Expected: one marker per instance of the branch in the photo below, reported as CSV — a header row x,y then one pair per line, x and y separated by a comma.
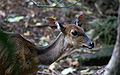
x,y
48,6
42,26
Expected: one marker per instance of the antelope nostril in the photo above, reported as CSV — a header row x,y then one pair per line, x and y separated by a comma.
x,y
91,44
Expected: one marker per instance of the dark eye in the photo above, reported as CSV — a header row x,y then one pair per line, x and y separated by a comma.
x,y
74,33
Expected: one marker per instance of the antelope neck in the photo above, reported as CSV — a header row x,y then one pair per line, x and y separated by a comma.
x,y
52,52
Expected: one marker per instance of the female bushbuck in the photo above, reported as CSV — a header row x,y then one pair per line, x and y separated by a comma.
x,y
28,56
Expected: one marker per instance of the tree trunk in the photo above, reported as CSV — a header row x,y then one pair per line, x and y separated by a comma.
x,y
113,67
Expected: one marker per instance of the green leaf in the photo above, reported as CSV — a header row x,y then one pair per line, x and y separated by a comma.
x,y
38,24
30,3
15,19
67,71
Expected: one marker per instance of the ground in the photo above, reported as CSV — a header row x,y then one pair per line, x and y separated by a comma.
x,y
23,17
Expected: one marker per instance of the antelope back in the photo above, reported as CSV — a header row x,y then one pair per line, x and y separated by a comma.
x,y
74,33
23,59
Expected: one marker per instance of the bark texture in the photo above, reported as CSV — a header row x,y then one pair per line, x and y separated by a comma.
x,y
113,66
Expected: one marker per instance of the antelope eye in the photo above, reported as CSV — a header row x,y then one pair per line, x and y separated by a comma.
x,y
74,33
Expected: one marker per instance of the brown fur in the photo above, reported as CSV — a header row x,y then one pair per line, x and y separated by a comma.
x,y
27,59
28,56
77,40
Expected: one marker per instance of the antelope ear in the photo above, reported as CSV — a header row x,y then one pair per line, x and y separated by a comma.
x,y
53,22
78,21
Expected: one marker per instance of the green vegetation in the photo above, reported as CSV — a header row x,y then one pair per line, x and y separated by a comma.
x,y
25,17
15,19
105,29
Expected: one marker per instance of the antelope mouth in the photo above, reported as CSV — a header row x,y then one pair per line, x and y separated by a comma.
x,y
89,47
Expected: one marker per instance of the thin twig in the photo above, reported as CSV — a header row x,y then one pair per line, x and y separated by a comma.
x,y
68,52
49,2
42,26
39,73
56,73
48,6
98,9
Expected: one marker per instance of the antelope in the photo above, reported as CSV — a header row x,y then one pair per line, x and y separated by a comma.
x,y
28,55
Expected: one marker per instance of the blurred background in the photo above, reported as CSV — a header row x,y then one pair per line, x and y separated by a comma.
x,y
99,22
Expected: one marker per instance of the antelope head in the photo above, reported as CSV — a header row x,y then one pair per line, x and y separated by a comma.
x,y
74,35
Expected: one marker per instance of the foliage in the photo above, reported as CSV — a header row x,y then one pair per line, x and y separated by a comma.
x,y
23,17
15,19
105,29
68,70
43,43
